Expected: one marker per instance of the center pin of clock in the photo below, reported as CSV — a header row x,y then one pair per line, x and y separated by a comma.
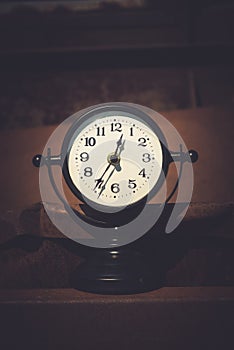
x,y
113,159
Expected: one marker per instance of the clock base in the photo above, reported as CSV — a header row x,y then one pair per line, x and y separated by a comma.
x,y
119,271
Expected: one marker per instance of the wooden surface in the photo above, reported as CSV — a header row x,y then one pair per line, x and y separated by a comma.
x,y
198,253
73,296
178,318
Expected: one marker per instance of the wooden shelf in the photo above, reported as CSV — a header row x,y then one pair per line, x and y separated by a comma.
x,y
178,318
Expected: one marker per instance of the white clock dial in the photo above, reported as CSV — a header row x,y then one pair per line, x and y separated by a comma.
x,y
115,160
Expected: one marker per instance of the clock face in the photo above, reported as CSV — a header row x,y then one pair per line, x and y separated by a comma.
x,y
114,159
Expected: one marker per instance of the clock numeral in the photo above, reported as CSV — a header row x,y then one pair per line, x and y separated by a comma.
x,y
146,158
100,131
84,157
116,127
142,173
115,188
90,141
88,171
131,131
132,184
99,183
142,142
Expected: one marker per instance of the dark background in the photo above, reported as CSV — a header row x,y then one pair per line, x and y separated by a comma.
x,y
176,57
59,58
173,56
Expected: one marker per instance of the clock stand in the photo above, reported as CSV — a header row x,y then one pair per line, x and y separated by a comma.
x,y
115,271
119,270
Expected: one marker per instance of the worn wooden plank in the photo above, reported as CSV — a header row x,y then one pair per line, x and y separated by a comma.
x,y
125,55
177,318
214,220
199,252
73,296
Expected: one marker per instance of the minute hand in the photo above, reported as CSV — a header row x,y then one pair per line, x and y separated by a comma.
x,y
99,181
104,186
116,167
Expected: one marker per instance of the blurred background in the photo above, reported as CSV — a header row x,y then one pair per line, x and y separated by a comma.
x,y
57,57
60,56
177,57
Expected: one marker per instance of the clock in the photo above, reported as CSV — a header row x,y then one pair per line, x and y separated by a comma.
x,y
114,158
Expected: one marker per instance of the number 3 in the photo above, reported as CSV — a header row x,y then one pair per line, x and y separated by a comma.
x,y
146,158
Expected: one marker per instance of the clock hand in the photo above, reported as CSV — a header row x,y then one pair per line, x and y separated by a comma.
x,y
117,166
104,186
100,180
119,142
121,148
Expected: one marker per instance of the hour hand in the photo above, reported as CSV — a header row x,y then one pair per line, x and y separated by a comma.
x,y
118,144
118,166
121,148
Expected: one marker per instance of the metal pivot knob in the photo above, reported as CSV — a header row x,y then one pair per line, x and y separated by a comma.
x,y
193,155
39,160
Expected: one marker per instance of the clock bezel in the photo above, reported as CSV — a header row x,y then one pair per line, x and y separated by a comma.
x,y
115,108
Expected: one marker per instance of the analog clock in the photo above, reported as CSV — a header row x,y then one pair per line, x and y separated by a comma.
x,y
114,157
